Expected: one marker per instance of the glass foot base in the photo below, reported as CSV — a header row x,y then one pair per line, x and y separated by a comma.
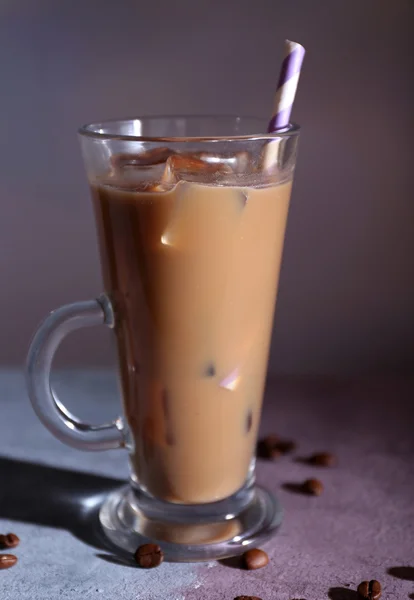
x,y
190,533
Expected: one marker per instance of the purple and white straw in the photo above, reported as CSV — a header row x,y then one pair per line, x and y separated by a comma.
x,y
286,88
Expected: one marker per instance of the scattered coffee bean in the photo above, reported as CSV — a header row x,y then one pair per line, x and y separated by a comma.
x,y
255,559
369,590
272,447
271,439
322,459
149,556
286,446
247,598
268,453
313,487
7,561
10,540
266,447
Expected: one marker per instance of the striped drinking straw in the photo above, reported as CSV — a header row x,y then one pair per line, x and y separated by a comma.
x,y
287,86
285,95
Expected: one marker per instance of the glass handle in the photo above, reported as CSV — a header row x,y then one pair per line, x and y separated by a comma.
x,y
48,408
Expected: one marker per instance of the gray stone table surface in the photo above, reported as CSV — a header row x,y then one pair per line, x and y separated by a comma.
x,y
362,527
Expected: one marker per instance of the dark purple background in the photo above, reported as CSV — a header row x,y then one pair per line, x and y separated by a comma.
x,y
346,298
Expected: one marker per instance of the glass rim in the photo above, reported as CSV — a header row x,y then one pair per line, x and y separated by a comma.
x,y
94,130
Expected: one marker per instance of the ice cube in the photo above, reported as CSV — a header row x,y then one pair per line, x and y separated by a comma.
x,y
160,187
171,234
114,180
141,159
209,370
231,380
139,171
193,168
238,162
148,186
244,196
226,160
196,211
244,162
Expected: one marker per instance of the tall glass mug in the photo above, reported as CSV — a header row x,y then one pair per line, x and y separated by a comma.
x,y
191,215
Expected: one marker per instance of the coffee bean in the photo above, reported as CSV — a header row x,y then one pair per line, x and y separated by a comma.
x,y
7,561
10,540
266,447
247,598
286,446
149,556
369,590
313,487
322,459
255,559
273,447
271,440
264,451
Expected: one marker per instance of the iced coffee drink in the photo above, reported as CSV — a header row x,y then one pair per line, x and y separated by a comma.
x,y
191,214
191,250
